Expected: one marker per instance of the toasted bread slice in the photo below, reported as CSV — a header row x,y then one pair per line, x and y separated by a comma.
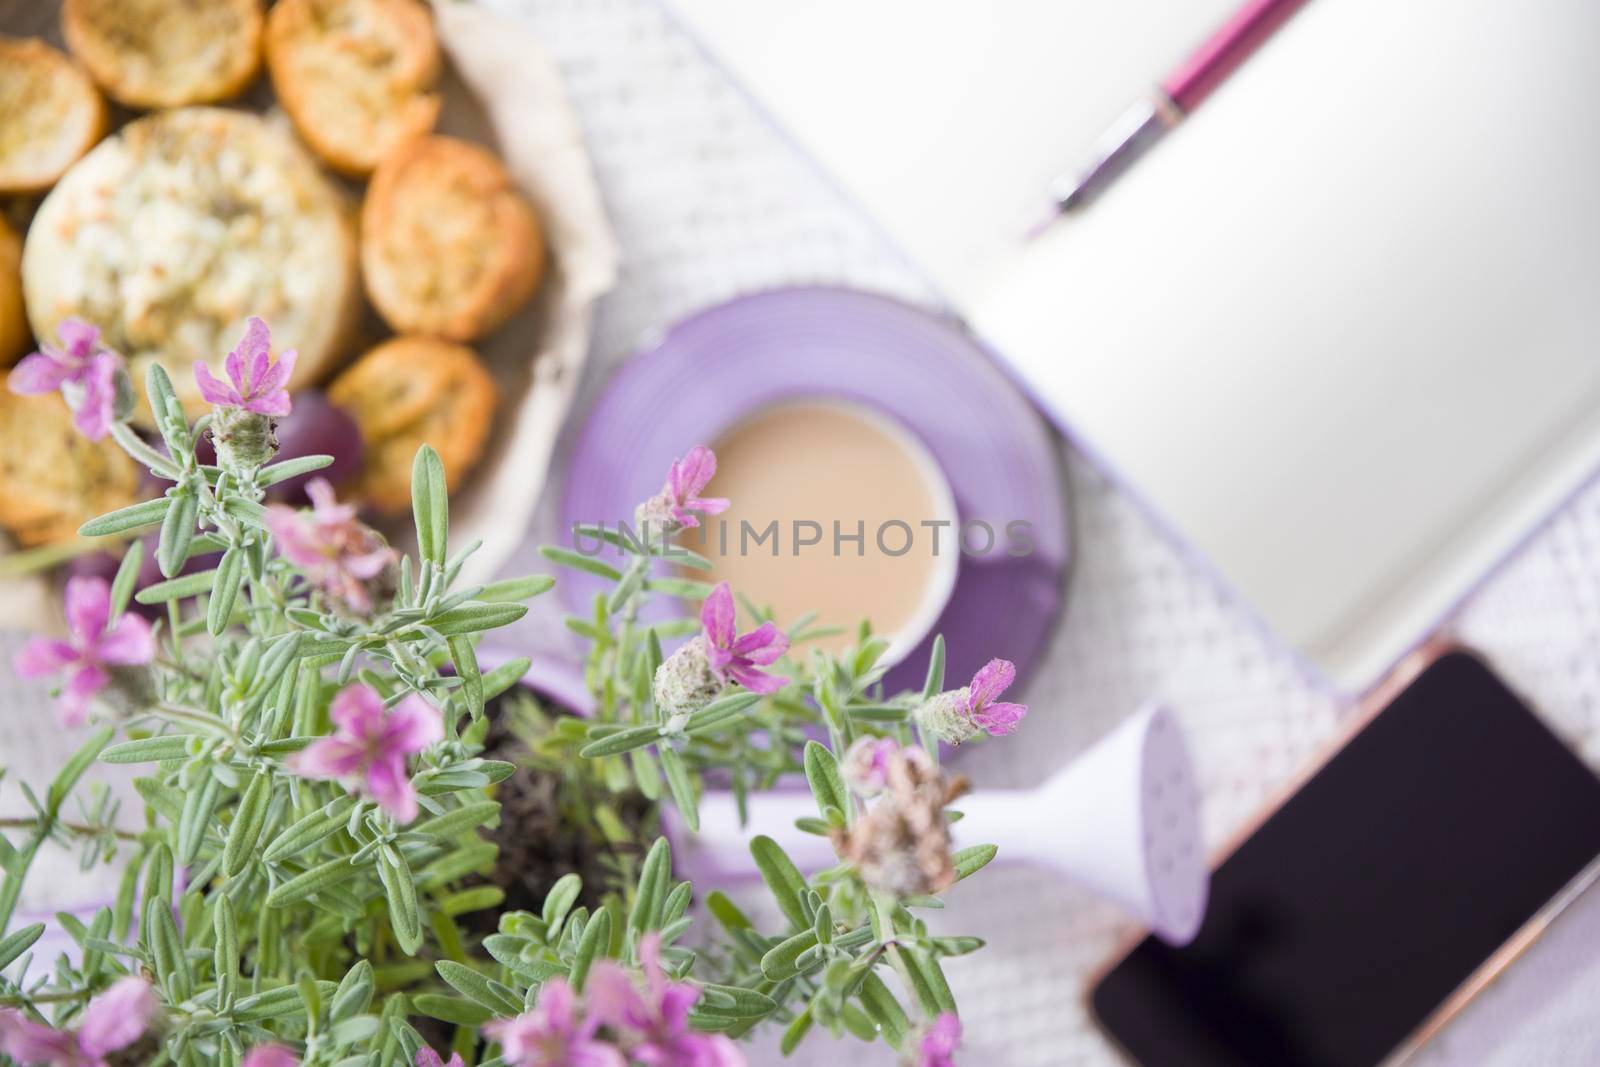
x,y
13,318
411,391
50,114
52,478
157,53
449,246
357,77
174,231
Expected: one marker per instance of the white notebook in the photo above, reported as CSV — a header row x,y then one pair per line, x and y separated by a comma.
x,y
1340,331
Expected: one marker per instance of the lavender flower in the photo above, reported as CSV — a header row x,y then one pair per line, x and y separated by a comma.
x,y
655,1023
694,674
901,846
258,383
735,657
369,747
341,555
936,1045
866,763
552,1034
958,714
112,1021
269,1056
90,377
679,505
94,652
426,1057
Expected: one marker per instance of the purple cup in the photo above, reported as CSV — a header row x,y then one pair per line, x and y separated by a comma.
x,y
921,371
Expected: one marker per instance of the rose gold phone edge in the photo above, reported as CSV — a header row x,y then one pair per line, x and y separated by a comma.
x,y
1366,710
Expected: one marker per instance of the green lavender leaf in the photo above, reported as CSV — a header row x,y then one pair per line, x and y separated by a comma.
x,y
677,902
524,588
458,820
430,505
249,818
127,576
734,1002
281,1003
161,466
970,861
164,405
401,889
225,953
934,684
310,882
166,949
132,517
596,936
780,962
727,912
884,1009
650,896
16,943
798,1027
474,617
177,588
290,468
466,663
720,712
578,562
199,803
681,785
224,590
478,898
504,677
558,902
177,530
456,1010
149,749
614,744
827,784
354,995
783,878
469,983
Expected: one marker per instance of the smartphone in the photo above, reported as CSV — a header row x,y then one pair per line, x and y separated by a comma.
x,y
1399,878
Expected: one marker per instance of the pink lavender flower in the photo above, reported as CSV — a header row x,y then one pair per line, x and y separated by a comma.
x,y
999,717
938,1043
96,647
426,1057
112,1021
957,715
679,504
552,1034
654,1024
866,763
83,369
339,553
734,656
258,382
269,1056
369,747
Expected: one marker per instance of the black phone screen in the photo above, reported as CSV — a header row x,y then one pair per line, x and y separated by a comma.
x,y
1355,910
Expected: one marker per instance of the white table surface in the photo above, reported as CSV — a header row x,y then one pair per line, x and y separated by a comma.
x,y
710,202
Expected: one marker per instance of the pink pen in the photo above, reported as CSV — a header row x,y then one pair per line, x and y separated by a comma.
x,y
1179,93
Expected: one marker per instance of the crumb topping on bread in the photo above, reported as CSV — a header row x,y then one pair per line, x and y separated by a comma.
x,y
169,235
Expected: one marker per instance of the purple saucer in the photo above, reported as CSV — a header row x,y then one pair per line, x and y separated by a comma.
x,y
923,371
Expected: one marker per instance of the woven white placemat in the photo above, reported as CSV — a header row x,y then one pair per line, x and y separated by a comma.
x,y
710,202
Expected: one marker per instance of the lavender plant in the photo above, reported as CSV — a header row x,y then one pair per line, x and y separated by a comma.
x,y
311,716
